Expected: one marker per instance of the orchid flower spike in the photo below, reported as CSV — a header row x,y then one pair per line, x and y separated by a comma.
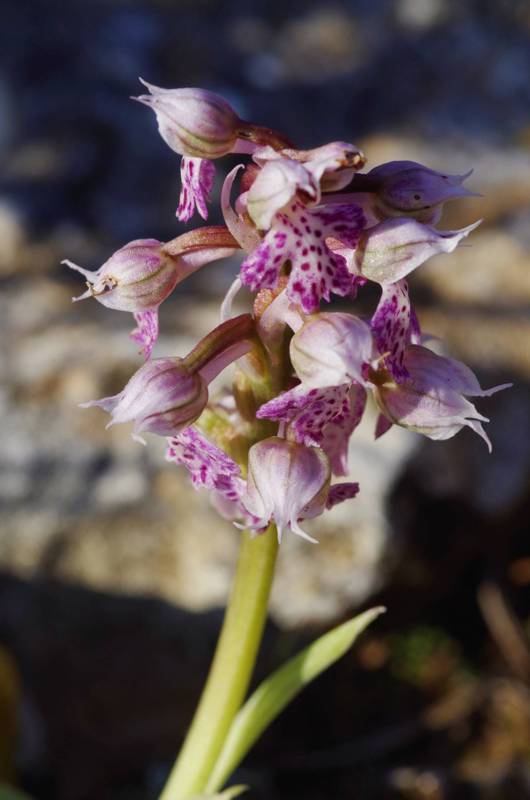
x,y
162,397
432,401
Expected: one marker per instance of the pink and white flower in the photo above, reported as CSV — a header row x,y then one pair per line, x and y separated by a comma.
x,y
330,354
324,417
162,397
199,125
432,399
391,250
406,188
300,236
193,122
142,274
288,482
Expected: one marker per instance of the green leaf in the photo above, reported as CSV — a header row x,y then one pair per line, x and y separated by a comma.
x,y
277,691
10,793
228,794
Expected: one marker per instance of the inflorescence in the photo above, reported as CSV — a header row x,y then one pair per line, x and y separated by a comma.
x,y
309,225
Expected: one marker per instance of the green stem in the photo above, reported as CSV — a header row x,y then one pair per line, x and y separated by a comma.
x,y
231,668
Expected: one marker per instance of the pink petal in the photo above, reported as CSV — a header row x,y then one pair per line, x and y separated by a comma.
x,y
391,327
244,233
286,481
340,492
197,177
381,426
430,371
146,333
330,349
323,418
209,466
336,434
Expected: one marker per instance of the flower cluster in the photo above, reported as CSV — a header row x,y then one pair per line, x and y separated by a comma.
x,y
309,225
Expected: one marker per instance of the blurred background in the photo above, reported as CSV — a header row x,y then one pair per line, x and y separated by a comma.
x,y
113,572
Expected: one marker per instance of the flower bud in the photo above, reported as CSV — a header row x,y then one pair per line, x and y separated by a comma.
x,y
330,349
387,252
136,277
193,122
276,184
406,188
162,397
286,482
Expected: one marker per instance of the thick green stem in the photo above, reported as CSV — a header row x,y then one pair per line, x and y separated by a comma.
x,y
231,668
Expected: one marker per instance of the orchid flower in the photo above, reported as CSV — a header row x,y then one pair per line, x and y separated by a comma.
x,y
406,188
432,400
391,250
403,189
167,394
141,275
282,201
286,482
162,397
330,354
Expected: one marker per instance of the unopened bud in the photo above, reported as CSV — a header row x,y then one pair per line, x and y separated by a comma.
x,y
136,277
162,397
406,188
193,122
330,349
286,482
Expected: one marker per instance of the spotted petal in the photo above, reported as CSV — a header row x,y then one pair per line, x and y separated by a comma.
x,y
146,333
209,466
197,177
323,417
392,328
341,492
299,235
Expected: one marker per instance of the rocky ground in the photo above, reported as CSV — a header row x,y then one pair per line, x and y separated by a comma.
x,y
113,569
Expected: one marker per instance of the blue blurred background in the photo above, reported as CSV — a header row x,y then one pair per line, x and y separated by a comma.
x,y
113,571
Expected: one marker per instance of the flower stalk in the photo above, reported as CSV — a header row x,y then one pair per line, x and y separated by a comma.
x,y
231,668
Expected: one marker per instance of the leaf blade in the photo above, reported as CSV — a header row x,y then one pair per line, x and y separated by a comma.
x,y
279,689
